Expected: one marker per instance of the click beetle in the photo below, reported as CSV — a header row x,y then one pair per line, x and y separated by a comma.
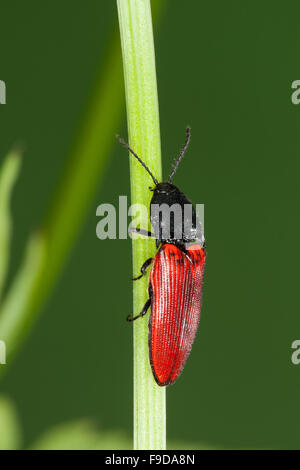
x,y
176,276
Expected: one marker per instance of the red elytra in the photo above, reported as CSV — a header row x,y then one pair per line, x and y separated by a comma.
x,y
175,291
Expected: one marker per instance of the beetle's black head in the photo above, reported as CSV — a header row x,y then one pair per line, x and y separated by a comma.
x,y
168,203
172,215
166,193
165,189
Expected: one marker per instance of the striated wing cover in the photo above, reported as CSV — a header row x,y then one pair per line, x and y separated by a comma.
x,y
176,289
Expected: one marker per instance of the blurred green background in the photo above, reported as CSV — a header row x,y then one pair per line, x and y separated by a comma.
x,y
226,69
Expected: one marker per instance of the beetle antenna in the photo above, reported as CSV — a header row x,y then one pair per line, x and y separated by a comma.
x,y
138,158
181,155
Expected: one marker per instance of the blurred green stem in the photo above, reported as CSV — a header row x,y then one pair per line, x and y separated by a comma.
x,y
8,175
48,248
144,137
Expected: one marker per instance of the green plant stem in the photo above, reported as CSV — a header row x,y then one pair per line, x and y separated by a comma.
x,y
8,175
144,137
48,249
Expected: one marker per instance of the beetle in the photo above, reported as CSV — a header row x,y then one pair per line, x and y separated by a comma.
x,y
176,276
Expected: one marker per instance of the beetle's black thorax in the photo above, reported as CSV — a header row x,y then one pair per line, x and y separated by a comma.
x,y
173,216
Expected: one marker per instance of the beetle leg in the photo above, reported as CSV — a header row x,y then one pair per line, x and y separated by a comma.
x,y
143,269
143,312
141,231
158,241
